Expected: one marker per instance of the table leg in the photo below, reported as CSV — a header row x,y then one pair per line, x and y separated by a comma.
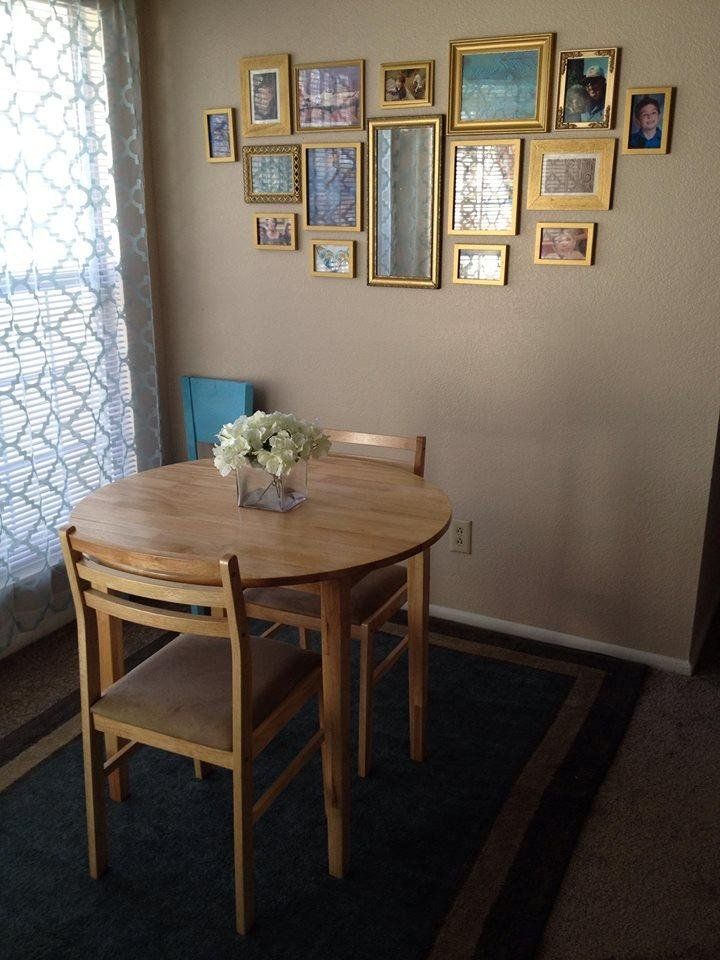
x,y
418,602
112,667
335,612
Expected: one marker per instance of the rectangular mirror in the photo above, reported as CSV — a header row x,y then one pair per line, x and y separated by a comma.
x,y
404,181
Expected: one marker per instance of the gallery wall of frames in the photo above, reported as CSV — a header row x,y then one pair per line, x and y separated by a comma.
x,y
392,184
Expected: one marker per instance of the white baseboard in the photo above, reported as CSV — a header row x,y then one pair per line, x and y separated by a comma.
x,y
656,660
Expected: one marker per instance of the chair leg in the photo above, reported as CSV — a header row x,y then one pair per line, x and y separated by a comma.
x,y
365,717
93,753
243,843
202,769
324,753
303,634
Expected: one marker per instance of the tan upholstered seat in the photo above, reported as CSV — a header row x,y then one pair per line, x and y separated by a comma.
x,y
184,690
366,596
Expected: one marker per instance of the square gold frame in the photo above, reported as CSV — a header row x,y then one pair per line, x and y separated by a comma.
x,y
501,247
600,200
667,93
538,122
512,229
279,62
556,225
337,145
611,53
349,274
278,215
327,65
409,66
213,111
271,149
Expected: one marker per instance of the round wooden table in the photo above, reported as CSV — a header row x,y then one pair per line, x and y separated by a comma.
x,y
361,514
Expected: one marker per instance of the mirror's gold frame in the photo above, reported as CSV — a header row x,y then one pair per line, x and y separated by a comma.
x,y
437,123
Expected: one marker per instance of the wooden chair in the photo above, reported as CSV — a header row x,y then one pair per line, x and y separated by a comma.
x,y
208,404
374,598
213,693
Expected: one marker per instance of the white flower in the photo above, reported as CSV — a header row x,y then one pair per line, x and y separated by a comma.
x,y
274,442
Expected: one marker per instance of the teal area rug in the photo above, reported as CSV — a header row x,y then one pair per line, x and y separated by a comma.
x,y
457,858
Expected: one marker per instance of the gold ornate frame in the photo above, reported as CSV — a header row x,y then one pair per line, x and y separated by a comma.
x,y
603,149
512,229
278,215
284,149
347,275
409,66
538,123
566,225
564,56
227,111
501,247
279,62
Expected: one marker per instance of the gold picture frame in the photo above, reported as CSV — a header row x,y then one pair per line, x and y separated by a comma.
x,y
271,173
407,84
275,231
500,84
480,263
656,100
332,258
265,96
219,135
568,244
330,96
586,89
484,180
332,174
571,174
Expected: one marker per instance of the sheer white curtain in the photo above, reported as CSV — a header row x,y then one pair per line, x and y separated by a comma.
x,y
78,388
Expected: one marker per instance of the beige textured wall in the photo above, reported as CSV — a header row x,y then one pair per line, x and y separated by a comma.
x,y
572,414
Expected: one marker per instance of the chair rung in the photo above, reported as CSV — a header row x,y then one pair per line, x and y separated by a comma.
x,y
114,761
290,771
272,630
390,660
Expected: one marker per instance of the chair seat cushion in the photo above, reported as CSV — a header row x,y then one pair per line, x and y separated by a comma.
x,y
184,690
366,596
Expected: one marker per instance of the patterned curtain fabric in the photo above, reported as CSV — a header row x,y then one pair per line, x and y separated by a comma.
x,y
78,387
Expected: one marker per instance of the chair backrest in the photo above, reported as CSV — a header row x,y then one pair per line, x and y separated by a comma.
x,y
412,446
208,404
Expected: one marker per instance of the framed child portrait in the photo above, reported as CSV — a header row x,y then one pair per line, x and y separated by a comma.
x,y
586,89
329,96
407,84
275,231
647,120
564,244
219,135
332,186
332,258
265,95
480,263
570,174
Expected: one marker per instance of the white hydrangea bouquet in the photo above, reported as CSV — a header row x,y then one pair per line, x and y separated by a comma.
x,y
274,443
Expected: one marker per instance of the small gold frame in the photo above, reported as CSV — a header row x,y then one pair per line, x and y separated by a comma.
x,y
252,195
500,248
326,104
558,260
562,117
252,71
603,151
349,245
533,121
289,234
409,68
512,228
310,191
228,113
665,118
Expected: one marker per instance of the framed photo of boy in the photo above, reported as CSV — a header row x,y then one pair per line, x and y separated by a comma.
x,y
407,84
332,258
570,174
332,186
329,96
586,89
275,231
219,135
484,186
271,173
265,95
647,120
564,244
480,264
500,84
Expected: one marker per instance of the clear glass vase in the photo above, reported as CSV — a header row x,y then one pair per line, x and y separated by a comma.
x,y
256,488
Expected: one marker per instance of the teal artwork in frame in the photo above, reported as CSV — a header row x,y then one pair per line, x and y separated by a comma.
x,y
272,173
499,86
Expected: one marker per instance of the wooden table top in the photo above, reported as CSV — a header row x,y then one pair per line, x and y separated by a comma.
x,y
360,514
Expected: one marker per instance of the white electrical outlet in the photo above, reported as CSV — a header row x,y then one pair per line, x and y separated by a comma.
x,y
461,536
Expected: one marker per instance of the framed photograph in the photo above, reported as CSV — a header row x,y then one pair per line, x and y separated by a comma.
x,y
275,231
647,120
329,96
219,135
568,244
272,173
332,258
407,84
500,84
265,95
480,263
332,186
570,174
484,186
586,89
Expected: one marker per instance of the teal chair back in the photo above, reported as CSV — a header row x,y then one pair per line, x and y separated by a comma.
x,y
208,404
